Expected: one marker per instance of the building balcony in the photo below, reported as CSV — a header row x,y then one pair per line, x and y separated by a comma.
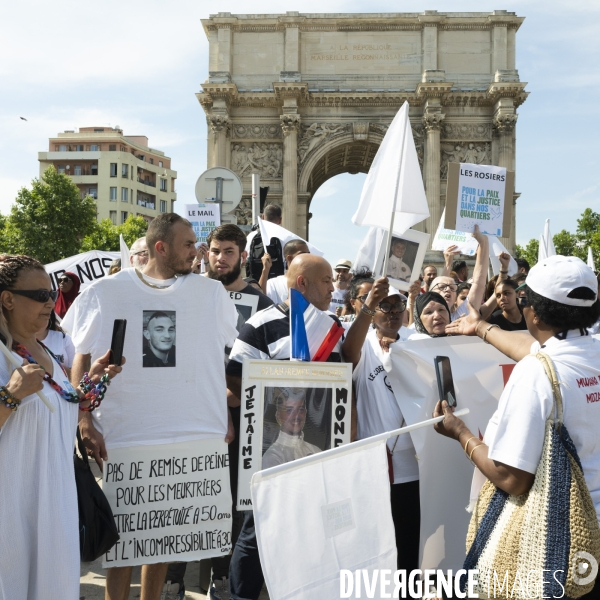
x,y
151,204
69,156
146,182
83,179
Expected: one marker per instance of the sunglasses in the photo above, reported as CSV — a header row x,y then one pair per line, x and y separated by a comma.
x,y
140,253
64,280
38,295
387,307
522,301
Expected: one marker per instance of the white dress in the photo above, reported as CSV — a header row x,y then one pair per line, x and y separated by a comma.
x,y
39,522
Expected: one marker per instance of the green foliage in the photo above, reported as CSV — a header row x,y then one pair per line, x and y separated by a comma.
x,y
529,252
106,235
49,220
565,243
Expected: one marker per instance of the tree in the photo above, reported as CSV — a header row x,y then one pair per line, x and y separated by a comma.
x,y
106,235
50,220
529,252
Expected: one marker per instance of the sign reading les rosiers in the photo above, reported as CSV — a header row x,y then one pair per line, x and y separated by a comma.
x,y
479,195
171,502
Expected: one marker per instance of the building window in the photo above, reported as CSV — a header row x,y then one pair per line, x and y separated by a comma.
x,y
93,169
123,149
131,197
124,170
112,147
124,195
113,216
77,169
123,216
172,205
113,194
78,147
93,192
163,186
160,163
62,148
163,206
113,169
151,161
98,130
94,147
61,168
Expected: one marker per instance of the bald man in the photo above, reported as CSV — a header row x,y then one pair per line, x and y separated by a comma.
x,y
266,335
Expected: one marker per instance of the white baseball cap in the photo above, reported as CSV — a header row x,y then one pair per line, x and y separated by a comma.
x,y
557,276
394,292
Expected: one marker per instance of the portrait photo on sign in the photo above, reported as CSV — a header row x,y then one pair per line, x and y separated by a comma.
x,y
158,341
296,423
405,257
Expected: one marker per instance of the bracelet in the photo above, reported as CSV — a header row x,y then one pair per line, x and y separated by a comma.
x,y
93,392
473,437
368,311
8,399
482,444
484,338
505,272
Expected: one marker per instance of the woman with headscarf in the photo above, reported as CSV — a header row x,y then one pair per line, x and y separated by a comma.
x,y
68,290
431,316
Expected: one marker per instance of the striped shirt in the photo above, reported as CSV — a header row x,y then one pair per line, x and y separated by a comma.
x,y
266,335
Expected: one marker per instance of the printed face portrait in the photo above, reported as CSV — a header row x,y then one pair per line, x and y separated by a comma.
x,y
159,339
398,248
291,411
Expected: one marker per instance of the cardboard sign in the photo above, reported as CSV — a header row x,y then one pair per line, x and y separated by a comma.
x,y
204,218
479,195
290,410
171,502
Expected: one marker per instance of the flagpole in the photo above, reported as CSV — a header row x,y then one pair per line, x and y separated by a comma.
x,y
386,257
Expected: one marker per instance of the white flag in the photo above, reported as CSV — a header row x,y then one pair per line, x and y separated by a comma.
x,y
270,230
546,248
496,248
394,182
318,515
125,263
445,475
590,260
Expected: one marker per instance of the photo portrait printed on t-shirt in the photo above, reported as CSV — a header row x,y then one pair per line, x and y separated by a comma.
x,y
158,342
402,259
296,423
244,313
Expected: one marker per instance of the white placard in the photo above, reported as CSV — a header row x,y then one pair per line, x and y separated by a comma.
x,y
204,218
481,190
171,502
290,410
246,305
444,238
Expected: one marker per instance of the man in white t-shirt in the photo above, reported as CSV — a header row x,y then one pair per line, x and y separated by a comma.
x,y
277,288
341,282
148,405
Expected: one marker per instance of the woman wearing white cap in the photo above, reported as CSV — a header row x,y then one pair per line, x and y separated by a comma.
x,y
377,303
561,302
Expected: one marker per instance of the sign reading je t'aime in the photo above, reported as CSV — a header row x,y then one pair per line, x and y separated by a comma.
x,y
171,502
479,195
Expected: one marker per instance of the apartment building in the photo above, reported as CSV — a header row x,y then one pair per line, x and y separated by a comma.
x,y
123,174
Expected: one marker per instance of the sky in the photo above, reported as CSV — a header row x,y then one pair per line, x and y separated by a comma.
x,y
138,64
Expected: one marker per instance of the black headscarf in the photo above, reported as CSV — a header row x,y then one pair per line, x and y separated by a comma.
x,y
422,301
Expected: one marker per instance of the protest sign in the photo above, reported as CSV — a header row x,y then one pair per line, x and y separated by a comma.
x,y
204,217
480,373
290,410
245,304
88,266
171,502
479,195
464,241
406,255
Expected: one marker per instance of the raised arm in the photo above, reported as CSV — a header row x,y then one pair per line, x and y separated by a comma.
x,y
480,272
264,276
449,253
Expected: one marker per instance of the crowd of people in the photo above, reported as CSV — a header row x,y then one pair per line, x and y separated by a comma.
x,y
62,337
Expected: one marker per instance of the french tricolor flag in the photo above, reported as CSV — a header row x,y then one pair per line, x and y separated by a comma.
x,y
314,333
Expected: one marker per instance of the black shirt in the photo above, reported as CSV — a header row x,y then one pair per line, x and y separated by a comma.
x,y
499,319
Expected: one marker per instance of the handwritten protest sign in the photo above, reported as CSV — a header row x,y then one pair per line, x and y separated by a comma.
x,y
479,195
88,266
465,242
204,217
171,502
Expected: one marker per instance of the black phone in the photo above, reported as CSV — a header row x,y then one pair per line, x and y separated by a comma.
x,y
443,373
118,341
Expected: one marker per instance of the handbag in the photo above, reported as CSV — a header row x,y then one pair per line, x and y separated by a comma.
x,y
553,527
97,528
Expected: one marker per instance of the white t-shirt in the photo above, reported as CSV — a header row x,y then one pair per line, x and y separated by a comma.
x,y
61,345
287,448
515,433
338,298
398,269
378,410
186,399
277,289
461,311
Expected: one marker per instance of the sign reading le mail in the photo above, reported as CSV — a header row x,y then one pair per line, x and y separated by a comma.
x,y
290,410
171,502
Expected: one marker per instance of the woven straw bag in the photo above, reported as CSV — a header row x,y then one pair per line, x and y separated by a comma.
x,y
545,529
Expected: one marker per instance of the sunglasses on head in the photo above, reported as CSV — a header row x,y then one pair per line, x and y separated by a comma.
x,y
38,295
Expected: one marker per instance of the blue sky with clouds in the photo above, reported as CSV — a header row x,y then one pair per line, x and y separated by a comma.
x,y
138,64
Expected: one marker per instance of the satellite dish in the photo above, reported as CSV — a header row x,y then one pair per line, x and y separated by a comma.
x,y
221,184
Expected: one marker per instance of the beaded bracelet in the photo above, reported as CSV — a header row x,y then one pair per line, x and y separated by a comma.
x,y
93,392
8,399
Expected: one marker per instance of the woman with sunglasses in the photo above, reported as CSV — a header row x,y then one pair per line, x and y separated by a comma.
x,y
510,316
68,290
39,528
379,315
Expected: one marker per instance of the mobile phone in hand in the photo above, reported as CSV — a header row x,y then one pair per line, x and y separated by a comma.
x,y
118,341
443,373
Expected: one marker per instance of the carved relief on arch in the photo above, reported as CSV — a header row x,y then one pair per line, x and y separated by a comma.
x,y
257,157
312,136
475,152
258,132
467,131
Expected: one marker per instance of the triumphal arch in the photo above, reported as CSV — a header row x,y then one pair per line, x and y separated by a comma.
x,y
300,98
